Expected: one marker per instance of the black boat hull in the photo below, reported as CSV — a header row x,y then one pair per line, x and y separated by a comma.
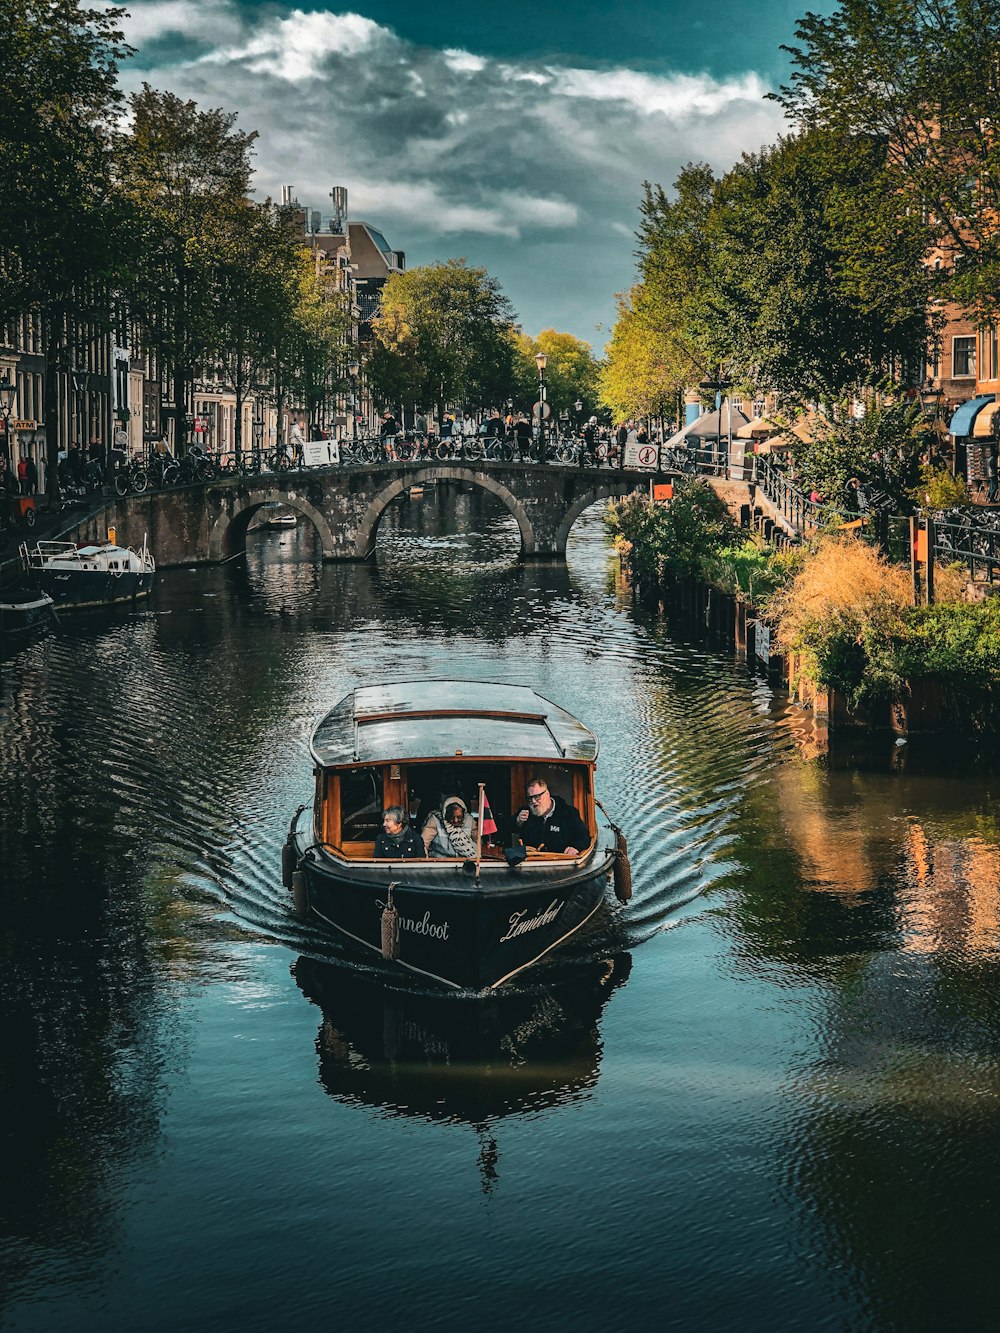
x,y
451,929
81,588
24,611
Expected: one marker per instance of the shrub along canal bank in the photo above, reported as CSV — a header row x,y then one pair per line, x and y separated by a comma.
x,y
833,618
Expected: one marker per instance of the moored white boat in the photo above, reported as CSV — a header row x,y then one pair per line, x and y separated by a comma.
x,y
93,575
468,921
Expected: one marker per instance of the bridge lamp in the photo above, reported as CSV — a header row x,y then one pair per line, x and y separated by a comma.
x,y
540,361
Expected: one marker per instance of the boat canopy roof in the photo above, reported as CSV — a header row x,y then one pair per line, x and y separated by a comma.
x,y
445,719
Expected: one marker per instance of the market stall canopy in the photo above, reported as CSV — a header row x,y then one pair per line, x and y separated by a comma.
x,y
758,428
678,440
962,422
808,426
986,422
717,425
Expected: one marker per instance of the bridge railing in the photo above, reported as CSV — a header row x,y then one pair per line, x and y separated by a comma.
x,y
156,473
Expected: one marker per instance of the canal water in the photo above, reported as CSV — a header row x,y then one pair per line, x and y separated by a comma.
x,y
763,1095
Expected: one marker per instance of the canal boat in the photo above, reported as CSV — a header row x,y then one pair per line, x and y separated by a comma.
x,y
94,575
273,517
24,610
469,921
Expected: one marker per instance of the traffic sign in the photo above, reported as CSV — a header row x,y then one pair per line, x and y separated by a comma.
x,y
541,411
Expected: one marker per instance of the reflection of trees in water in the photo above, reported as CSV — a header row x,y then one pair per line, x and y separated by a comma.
x,y
880,896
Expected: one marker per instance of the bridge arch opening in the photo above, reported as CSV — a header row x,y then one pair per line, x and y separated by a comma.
x,y
426,477
229,533
598,495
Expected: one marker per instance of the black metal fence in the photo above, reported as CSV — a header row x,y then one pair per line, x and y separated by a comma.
x,y
959,537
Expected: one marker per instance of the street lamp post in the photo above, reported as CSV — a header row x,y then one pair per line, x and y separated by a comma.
x,y
578,410
8,392
353,370
540,361
721,385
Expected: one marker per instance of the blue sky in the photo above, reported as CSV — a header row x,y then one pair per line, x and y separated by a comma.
x,y
517,136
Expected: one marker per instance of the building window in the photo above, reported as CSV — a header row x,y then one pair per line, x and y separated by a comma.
x,y
963,358
994,358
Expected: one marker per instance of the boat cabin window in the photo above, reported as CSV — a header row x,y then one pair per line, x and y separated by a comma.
x,y
360,804
355,798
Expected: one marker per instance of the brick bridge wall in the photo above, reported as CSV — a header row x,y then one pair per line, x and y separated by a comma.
x,y
192,525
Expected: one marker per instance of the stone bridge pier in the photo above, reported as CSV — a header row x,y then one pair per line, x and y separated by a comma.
x,y
208,524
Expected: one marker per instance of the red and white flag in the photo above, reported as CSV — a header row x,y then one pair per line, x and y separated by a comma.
x,y
487,822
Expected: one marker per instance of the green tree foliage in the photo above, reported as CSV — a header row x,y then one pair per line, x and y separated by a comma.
x,y
677,266
58,93
444,336
675,537
643,372
61,240
818,269
312,348
570,372
882,449
254,288
186,174
920,81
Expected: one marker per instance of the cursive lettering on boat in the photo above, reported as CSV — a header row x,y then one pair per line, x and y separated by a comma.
x,y
521,923
435,930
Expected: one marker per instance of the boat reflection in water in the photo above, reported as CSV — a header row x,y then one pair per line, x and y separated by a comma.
x,y
460,1059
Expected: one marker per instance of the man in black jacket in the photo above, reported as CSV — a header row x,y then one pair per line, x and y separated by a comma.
x,y
551,824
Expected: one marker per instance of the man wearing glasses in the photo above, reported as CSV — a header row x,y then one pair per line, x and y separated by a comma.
x,y
551,824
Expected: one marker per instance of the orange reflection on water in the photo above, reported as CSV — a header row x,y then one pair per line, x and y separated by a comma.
x,y
950,899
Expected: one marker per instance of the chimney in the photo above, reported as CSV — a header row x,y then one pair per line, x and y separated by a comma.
x,y
287,196
338,219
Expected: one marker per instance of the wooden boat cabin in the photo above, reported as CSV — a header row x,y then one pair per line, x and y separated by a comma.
x,y
417,743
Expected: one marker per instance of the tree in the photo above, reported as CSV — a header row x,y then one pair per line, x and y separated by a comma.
x,y
443,336
921,81
254,288
819,269
312,347
881,448
643,372
571,371
185,172
60,228
677,266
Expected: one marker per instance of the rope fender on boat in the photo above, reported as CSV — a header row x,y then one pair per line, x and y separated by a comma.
x,y
622,868
289,859
390,926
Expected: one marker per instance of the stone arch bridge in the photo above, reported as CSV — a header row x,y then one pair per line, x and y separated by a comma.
x,y
208,523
